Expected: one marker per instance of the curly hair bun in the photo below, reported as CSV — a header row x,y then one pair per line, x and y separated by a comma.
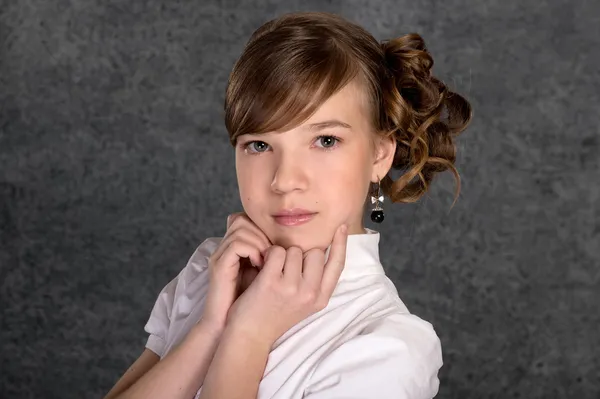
x,y
424,115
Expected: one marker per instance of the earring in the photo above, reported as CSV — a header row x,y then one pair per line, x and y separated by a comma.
x,y
377,212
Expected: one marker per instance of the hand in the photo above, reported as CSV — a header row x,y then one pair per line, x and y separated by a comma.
x,y
233,266
290,287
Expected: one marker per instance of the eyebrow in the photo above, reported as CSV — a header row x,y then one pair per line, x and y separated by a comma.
x,y
328,124
317,126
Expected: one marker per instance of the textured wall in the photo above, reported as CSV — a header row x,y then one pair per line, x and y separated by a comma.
x,y
112,170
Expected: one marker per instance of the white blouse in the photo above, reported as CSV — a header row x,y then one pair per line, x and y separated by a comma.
x,y
364,344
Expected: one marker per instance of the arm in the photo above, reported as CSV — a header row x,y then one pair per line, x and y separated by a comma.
x,y
197,348
145,362
179,375
240,356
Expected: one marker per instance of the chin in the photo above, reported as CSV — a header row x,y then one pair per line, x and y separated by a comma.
x,y
304,243
313,234
305,239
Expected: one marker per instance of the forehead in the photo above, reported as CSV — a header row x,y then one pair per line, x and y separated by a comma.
x,y
348,105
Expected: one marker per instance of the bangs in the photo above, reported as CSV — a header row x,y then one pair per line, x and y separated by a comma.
x,y
280,83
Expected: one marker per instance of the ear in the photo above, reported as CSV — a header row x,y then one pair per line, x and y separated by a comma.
x,y
385,149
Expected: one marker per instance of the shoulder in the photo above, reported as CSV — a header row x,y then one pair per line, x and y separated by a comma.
x,y
180,296
414,341
198,262
200,256
189,278
397,356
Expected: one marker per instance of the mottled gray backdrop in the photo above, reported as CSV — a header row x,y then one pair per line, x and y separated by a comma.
x,y
115,165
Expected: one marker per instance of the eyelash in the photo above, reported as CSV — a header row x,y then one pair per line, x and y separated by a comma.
x,y
246,146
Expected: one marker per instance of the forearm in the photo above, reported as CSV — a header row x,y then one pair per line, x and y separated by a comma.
x,y
181,373
237,368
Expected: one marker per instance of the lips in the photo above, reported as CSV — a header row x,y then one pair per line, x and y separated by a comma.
x,y
293,217
293,212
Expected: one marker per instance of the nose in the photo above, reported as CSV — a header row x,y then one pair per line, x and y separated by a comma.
x,y
290,174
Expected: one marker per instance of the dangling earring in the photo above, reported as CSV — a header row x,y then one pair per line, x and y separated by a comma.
x,y
377,212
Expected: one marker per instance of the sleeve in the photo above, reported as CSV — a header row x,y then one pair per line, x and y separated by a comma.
x,y
160,318
399,361
161,315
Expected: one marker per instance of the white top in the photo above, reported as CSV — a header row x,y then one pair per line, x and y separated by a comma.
x,y
364,344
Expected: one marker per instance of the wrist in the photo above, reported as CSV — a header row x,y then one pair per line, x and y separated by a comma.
x,y
254,337
204,327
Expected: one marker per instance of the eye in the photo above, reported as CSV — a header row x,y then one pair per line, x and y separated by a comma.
x,y
255,146
328,141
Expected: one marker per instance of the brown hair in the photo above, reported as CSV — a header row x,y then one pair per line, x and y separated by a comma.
x,y
291,65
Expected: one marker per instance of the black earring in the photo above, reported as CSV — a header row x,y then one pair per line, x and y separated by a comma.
x,y
377,212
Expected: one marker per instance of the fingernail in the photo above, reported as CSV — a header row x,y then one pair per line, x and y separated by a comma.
x,y
344,229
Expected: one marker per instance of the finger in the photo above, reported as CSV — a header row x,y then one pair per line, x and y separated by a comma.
x,y
234,251
292,268
241,220
226,237
274,261
335,263
225,242
312,271
249,236
248,223
231,218
240,230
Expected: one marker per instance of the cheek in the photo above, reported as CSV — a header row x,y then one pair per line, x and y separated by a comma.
x,y
252,187
346,192
247,178
244,182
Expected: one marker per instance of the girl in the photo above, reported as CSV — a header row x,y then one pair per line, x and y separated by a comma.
x,y
293,301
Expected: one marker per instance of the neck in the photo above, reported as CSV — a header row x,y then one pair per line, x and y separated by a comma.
x,y
356,227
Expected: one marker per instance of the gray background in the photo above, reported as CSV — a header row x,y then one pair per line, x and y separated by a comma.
x,y
115,165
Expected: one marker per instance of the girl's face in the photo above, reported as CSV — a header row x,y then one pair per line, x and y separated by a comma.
x,y
323,166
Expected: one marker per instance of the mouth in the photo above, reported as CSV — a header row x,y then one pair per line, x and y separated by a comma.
x,y
294,217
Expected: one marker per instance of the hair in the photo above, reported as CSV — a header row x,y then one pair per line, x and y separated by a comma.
x,y
291,65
